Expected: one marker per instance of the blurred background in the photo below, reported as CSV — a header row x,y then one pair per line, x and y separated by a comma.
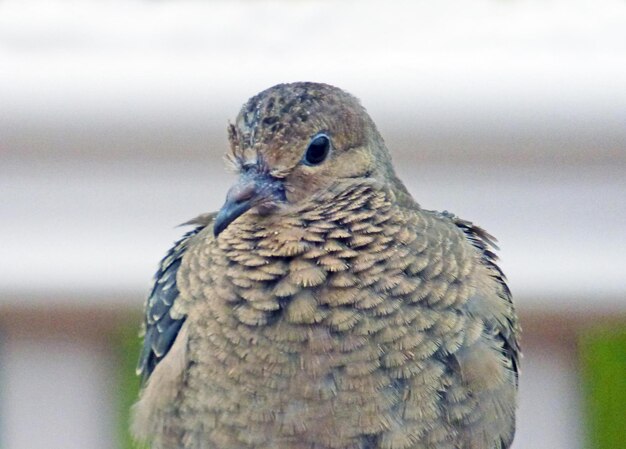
x,y
511,114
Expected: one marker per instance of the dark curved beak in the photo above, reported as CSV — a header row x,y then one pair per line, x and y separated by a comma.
x,y
252,189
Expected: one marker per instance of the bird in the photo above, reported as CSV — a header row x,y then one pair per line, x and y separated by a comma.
x,y
322,307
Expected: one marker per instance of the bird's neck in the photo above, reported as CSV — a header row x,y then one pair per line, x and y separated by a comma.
x,y
284,258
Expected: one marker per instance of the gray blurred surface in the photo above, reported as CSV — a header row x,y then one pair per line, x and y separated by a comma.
x,y
72,227
56,393
524,80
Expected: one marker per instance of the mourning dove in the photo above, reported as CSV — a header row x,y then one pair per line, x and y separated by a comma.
x,y
322,307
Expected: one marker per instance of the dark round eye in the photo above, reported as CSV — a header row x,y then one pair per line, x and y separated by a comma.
x,y
317,150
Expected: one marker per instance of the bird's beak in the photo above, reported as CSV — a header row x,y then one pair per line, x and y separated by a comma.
x,y
253,189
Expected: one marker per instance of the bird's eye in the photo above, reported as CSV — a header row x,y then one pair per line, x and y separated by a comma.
x,y
317,150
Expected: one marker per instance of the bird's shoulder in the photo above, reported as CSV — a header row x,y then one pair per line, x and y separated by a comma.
x,y
493,301
486,365
162,318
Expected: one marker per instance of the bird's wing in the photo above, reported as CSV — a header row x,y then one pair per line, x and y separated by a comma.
x,y
489,367
161,326
504,326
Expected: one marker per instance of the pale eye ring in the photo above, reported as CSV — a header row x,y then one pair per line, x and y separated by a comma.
x,y
318,150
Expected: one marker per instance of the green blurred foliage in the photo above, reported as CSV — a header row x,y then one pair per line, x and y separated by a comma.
x,y
128,344
603,358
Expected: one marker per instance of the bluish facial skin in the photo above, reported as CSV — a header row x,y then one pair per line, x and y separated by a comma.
x,y
254,188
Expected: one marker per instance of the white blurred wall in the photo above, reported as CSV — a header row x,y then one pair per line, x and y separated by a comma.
x,y
112,124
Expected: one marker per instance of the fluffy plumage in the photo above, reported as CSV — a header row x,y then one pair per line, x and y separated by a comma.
x,y
322,307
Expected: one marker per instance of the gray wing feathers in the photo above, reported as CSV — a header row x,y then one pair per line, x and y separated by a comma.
x,y
160,327
506,327
498,349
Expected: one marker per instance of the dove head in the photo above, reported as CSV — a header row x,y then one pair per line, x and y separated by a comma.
x,y
293,141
